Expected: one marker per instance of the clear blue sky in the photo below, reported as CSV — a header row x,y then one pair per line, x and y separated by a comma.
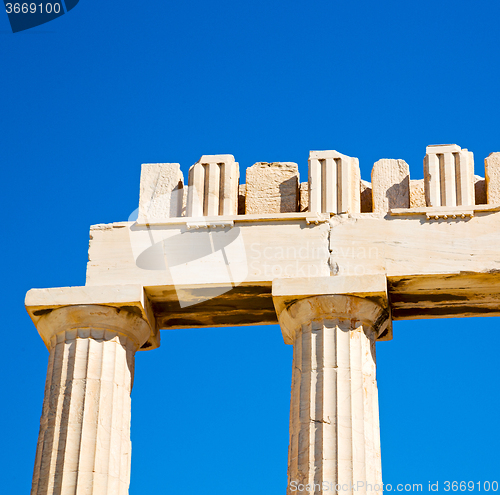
x,y
88,97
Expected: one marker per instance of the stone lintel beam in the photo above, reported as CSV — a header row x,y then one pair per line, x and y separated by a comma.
x,y
416,254
287,292
131,298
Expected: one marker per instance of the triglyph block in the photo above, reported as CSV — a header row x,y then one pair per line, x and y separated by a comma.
x,y
334,183
213,186
448,176
272,188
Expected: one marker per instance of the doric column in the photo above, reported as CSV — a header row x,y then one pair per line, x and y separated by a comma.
x,y
84,441
334,422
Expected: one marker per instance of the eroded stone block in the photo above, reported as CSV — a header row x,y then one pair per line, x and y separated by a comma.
x,y
492,175
304,196
366,196
272,188
391,185
242,192
417,193
161,192
480,190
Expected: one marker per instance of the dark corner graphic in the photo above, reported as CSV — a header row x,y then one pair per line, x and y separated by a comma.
x,y
25,15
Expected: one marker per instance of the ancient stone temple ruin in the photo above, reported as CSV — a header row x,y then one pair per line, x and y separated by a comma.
x,y
334,260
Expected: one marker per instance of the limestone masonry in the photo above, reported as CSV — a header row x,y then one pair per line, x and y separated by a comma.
x,y
334,260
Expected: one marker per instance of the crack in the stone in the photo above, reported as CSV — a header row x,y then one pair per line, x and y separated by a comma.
x,y
332,264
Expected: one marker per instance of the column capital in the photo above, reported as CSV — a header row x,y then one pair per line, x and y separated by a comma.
x,y
93,310
363,300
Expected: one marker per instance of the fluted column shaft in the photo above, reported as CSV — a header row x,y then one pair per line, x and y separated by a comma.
x,y
84,441
334,422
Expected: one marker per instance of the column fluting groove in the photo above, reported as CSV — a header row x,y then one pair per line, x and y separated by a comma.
x,y
334,423
84,441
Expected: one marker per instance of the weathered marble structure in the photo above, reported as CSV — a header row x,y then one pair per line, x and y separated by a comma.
x,y
333,260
